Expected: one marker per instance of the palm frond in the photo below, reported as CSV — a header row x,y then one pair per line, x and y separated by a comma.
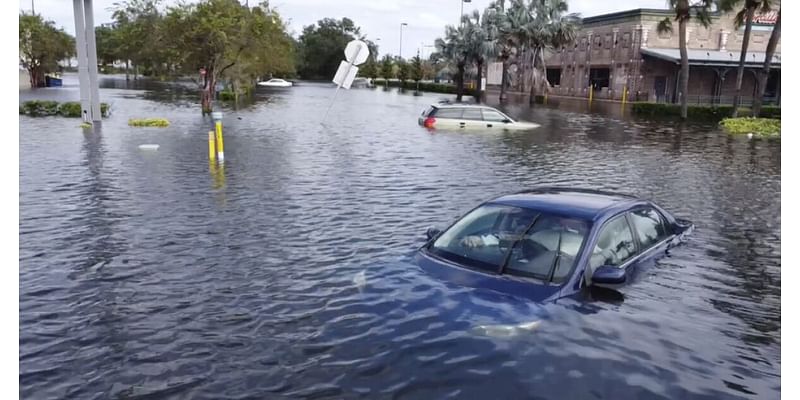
x,y
664,26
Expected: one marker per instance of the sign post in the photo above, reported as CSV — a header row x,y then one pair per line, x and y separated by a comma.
x,y
355,53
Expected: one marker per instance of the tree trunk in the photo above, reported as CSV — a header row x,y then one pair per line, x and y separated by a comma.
x,y
478,93
763,76
737,99
684,88
36,76
532,98
127,65
460,83
207,93
504,81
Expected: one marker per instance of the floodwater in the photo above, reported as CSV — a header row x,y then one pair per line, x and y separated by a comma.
x,y
285,273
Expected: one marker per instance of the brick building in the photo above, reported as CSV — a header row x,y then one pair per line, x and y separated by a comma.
x,y
624,49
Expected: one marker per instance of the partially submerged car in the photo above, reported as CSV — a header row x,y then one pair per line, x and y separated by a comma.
x,y
469,116
550,242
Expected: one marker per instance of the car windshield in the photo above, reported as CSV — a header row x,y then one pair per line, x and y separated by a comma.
x,y
514,240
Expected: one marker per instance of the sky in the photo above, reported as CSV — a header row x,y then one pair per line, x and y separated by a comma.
x,y
378,19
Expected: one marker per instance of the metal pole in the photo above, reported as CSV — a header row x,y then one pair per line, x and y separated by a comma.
x,y
33,10
91,47
83,68
461,16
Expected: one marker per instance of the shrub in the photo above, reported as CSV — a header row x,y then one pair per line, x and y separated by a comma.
x,y
157,122
423,86
39,108
714,113
762,127
71,109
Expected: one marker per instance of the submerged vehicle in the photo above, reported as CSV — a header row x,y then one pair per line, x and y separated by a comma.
x,y
275,82
549,242
469,116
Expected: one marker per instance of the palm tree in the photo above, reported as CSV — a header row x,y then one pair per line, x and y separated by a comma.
x,y
508,27
549,27
684,11
743,17
453,50
481,42
764,74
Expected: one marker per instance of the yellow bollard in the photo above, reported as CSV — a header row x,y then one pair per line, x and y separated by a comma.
x,y
545,97
624,94
212,152
591,93
220,146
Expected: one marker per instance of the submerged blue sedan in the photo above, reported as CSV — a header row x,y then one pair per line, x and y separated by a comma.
x,y
548,243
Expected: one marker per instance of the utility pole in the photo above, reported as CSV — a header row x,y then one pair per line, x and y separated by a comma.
x,y
402,24
87,60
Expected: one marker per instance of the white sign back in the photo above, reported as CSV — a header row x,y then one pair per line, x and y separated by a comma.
x,y
356,52
345,75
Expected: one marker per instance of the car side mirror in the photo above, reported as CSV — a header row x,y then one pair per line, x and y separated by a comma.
x,y
506,121
609,274
432,232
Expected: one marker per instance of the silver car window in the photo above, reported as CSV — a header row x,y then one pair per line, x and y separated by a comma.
x,y
453,113
493,116
473,114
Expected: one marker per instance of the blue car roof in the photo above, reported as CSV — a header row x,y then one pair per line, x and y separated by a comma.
x,y
587,204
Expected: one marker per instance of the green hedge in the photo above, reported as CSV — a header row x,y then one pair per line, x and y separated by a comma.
x,y
699,112
423,86
44,108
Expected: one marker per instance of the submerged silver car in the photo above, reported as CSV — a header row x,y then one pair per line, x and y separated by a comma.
x,y
467,116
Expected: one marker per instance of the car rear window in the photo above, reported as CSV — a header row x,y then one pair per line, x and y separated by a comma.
x,y
429,111
454,113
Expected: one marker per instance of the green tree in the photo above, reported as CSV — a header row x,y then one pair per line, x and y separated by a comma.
x,y
764,73
549,27
417,70
403,72
139,36
453,50
743,17
510,27
685,10
107,46
42,46
481,41
322,47
387,69
369,69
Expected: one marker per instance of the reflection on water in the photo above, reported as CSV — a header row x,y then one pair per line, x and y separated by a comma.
x,y
285,272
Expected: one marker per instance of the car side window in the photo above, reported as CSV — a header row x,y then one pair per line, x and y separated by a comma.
x,y
614,245
473,114
493,116
649,225
454,113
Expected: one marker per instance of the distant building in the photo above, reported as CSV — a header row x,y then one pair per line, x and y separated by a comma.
x,y
624,49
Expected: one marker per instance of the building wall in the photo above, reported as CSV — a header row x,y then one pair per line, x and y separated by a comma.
x,y
614,41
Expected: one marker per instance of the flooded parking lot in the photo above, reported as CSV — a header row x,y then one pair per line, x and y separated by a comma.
x,y
285,272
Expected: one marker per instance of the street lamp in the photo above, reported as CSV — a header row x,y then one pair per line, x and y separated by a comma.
x,y
460,19
402,24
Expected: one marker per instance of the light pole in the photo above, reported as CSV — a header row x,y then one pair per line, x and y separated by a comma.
x,y
402,24
460,19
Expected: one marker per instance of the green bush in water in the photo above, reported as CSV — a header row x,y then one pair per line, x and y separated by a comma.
x,y
39,108
761,127
42,108
157,122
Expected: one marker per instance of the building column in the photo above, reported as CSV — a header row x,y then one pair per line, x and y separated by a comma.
x,y
723,39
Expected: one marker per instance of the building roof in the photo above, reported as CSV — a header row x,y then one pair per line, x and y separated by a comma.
x,y
637,12
581,203
713,58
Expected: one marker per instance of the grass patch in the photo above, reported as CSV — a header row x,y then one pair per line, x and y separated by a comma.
x,y
761,127
45,108
157,122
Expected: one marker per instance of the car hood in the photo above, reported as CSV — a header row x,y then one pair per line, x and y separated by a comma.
x,y
503,284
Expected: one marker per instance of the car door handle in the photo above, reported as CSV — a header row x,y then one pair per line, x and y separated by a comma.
x,y
488,125
461,124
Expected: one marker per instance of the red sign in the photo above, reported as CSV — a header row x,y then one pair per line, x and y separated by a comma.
x,y
767,18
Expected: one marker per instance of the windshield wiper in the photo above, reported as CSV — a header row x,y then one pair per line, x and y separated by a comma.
x,y
507,257
557,258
